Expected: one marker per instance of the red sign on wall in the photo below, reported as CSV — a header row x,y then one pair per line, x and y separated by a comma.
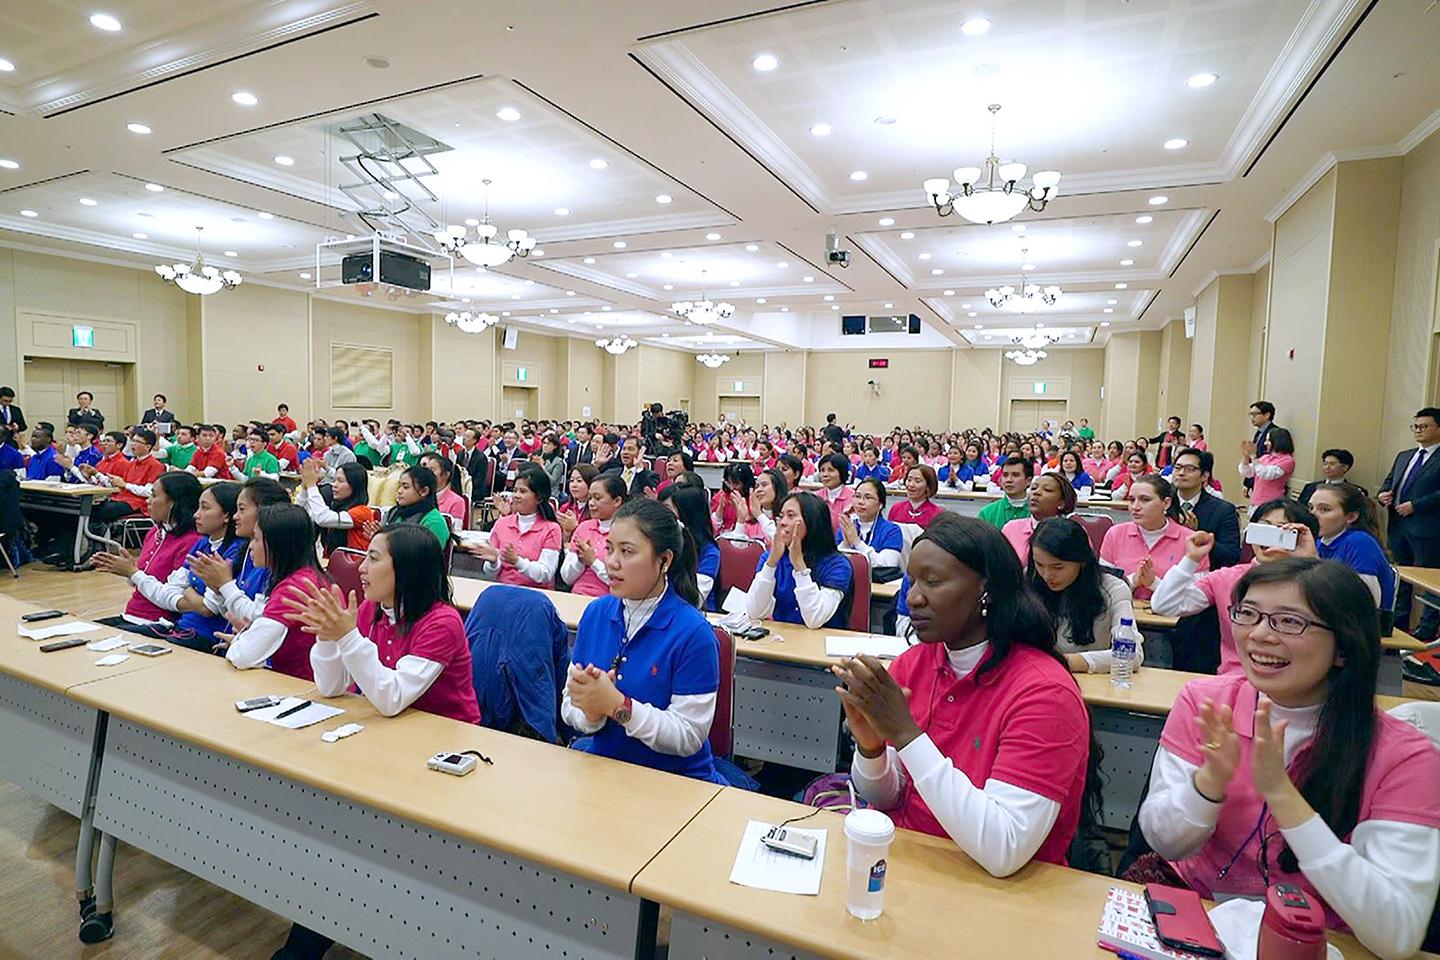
x,y
879,363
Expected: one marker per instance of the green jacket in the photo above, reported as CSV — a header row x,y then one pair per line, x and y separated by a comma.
x,y
178,456
1000,512
262,462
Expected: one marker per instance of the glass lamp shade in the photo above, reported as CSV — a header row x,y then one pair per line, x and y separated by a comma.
x,y
713,360
199,284
486,254
937,187
990,206
966,175
1010,172
1047,179
486,231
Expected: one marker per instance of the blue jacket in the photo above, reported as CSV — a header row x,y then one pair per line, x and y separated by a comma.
x,y
1362,553
519,653
42,466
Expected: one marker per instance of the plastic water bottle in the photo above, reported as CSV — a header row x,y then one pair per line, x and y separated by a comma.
x,y
1124,640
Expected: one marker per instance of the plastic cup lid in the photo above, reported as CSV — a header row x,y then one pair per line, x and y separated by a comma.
x,y
869,826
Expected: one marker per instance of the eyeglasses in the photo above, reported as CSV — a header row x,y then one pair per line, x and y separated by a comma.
x,y
1185,468
1288,624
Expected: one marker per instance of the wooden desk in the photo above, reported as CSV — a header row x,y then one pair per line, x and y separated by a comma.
x,y
886,591
1426,578
70,499
529,857
937,900
570,606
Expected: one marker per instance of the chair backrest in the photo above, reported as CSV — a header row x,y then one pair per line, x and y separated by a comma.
x,y
489,476
860,587
1422,715
722,734
344,569
909,533
1095,526
738,561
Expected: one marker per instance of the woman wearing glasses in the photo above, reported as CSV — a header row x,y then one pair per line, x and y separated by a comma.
x,y
1287,773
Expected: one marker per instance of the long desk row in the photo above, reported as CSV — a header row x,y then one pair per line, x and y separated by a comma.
x,y
545,852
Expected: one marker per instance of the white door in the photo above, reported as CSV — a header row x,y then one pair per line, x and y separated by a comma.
x,y
736,409
517,403
51,386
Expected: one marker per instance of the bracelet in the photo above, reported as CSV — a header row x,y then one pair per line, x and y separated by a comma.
x,y
1203,796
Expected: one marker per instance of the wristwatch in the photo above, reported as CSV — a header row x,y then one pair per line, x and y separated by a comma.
x,y
623,712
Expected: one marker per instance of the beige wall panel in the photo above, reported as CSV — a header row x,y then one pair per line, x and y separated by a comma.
x,y
462,373
784,388
253,326
535,353
1072,375
336,322
666,375
1175,349
746,368
1259,326
975,388
914,389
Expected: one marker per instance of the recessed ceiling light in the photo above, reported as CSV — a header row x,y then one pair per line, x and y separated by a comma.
x,y
631,276
949,293
137,128
760,300
141,236
784,309
562,211
514,296
1017,227
154,188
231,253
599,163
1112,301
858,175
508,114
1176,143
964,306
28,213
569,293
605,307
835,306
9,164
907,235
304,276
537,252
765,63
1104,323
663,198
936,272
5,65
1127,263
1202,80
973,314
712,236
669,286
887,221
808,279
471,222
1145,218
1134,243
506,313
619,244
245,98
975,26
1156,201
829,297
782,265
285,161
924,256
884,121
105,22
1122,286
820,130
86,202
1028,266
529,283
666,254
1109,310
981,326
734,283
589,259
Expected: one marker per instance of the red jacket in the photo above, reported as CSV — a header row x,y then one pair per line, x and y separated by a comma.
x,y
214,457
142,472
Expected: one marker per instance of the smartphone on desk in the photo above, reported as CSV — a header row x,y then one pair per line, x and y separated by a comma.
x,y
148,649
41,615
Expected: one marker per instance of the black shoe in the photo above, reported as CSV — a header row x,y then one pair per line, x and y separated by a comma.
x,y
1416,670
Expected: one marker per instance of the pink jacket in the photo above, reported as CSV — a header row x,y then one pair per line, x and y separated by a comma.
x,y
1124,547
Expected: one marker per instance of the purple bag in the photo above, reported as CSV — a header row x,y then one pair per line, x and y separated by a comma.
x,y
830,792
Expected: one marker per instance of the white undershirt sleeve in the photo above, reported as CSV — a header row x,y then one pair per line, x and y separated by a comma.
x,y
1001,827
323,516
704,583
767,526
760,598
1247,469
571,567
165,595
817,604
256,643
1176,594
541,570
389,691
573,715
1269,471
679,730
250,608
1175,819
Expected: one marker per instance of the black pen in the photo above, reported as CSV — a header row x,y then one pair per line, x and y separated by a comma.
x,y
295,709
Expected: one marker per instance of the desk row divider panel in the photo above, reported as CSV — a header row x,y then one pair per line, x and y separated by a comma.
x,y
49,743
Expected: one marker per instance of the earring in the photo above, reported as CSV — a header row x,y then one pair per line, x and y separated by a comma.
x,y
985,604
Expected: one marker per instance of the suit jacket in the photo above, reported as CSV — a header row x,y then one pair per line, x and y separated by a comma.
x,y
476,464
578,453
1219,517
1424,493
163,416
77,416
13,416
1314,485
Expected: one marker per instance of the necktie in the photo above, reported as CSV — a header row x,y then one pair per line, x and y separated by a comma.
x,y
1416,466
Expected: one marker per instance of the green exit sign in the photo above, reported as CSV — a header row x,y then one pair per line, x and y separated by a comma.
x,y
522,373
83,336
1038,386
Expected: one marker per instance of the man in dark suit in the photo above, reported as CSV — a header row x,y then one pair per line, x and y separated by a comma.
x,y
1411,494
85,413
832,431
1335,464
10,415
473,461
1195,640
158,413
580,451
1262,418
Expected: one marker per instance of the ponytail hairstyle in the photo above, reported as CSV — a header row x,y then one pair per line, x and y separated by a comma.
x,y
1163,490
539,482
289,537
420,579
262,492
666,535
226,494
1330,773
1353,500
184,493
741,475
422,478
694,513
447,470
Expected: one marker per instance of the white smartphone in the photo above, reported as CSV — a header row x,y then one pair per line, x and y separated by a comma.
x,y
148,649
801,845
1269,535
457,764
257,703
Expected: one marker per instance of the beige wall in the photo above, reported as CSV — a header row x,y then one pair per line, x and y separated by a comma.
x,y
1174,394
334,321
783,400
1219,367
914,389
1073,375
1131,376
1414,316
539,355
1259,329
667,376
462,372
975,377
710,385
251,327
585,388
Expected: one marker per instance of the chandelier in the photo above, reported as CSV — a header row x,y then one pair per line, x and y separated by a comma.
x,y
198,278
616,345
485,250
713,360
1025,297
467,322
703,311
1036,339
993,194
1026,358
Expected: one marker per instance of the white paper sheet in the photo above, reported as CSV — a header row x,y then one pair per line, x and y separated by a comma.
x,y
734,601
108,644
110,659
875,644
756,865
315,713
58,630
